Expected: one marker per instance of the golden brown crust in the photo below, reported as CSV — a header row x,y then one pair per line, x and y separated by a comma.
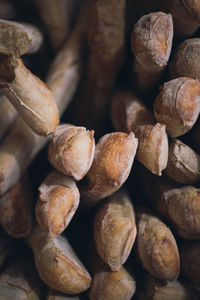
x,y
119,285
156,247
71,150
113,159
57,203
153,147
183,163
57,264
33,100
130,114
151,43
177,105
115,230
179,205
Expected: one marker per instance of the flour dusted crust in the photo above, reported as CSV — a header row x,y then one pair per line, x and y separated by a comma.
x,y
157,248
19,38
57,264
115,230
178,105
57,202
71,150
130,114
